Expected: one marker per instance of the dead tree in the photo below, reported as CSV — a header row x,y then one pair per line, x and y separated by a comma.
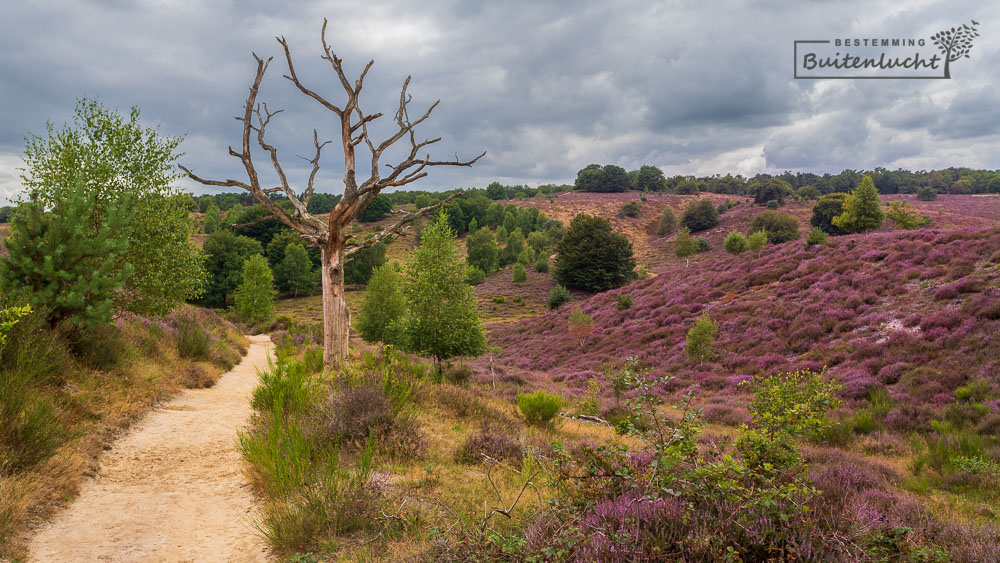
x,y
331,236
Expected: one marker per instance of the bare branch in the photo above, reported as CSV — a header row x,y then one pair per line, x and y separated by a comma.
x,y
395,228
223,183
295,79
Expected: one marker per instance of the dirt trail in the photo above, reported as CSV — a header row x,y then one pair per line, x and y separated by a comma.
x,y
172,488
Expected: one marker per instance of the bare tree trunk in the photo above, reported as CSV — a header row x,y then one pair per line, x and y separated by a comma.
x,y
336,315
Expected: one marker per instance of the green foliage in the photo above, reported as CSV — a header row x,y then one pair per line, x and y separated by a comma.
x,y
668,222
904,215
527,256
6,213
519,275
650,179
735,243
780,227
684,244
212,219
580,325
361,264
590,404
862,209
593,257
377,210
254,298
703,244
475,276
128,170
70,271
773,189
225,254
8,318
630,209
384,309
816,236
558,296
699,215
515,246
757,241
826,209
482,250
963,393
443,321
700,339
596,178
927,193
624,301
539,241
773,204
295,273
542,264
539,408
808,192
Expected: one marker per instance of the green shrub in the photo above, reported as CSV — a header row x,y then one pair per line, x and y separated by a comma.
x,y
699,215
519,275
780,227
816,236
102,347
773,204
700,338
668,222
193,342
963,393
499,299
927,193
559,296
624,301
284,387
29,428
539,408
703,244
474,276
542,265
735,243
630,209
593,257
458,375
757,241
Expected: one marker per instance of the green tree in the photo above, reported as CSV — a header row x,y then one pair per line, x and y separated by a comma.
x,y
780,227
482,250
668,222
593,257
527,256
558,297
539,241
826,208
699,215
123,165
816,236
443,321
700,339
70,269
735,243
212,219
596,178
927,193
363,263
254,298
904,215
295,273
377,210
226,252
233,215
862,209
518,273
542,264
384,309
773,189
509,222
684,245
650,179
514,248
757,241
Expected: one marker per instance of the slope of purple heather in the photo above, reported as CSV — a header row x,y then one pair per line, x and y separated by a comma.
x,y
914,312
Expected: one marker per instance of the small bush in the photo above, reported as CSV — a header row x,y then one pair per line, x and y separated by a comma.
x,y
458,375
489,445
499,299
474,276
284,387
735,243
700,338
624,301
519,275
668,222
192,341
630,209
539,408
580,325
816,236
773,204
700,215
927,193
703,244
780,227
559,296
542,265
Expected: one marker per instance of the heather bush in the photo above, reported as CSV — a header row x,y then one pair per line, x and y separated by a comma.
x,y
558,296
490,445
539,408
735,243
699,215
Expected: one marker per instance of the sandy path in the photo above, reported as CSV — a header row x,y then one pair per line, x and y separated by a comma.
x,y
172,488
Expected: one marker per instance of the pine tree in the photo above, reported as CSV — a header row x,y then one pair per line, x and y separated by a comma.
x,y
212,219
668,222
593,257
757,241
515,245
295,272
254,298
384,309
735,243
519,275
443,321
69,269
482,250
862,209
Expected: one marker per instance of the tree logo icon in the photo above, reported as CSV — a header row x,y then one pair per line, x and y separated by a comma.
x,y
955,43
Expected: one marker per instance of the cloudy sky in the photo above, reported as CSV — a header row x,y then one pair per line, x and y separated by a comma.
x,y
545,88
